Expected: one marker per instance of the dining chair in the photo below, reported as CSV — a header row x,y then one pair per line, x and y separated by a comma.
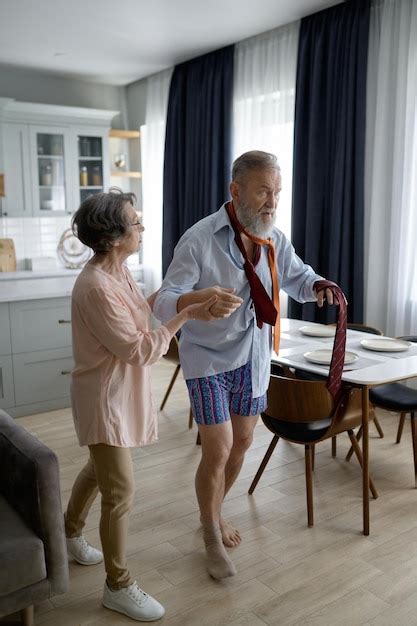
x,y
365,328
173,356
304,412
401,399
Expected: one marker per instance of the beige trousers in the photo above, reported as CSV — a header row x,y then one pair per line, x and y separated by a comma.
x,y
109,471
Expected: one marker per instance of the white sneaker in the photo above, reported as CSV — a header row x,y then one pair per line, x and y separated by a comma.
x,y
82,552
133,602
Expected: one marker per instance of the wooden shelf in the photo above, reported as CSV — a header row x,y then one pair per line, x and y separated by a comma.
x,y
122,174
124,134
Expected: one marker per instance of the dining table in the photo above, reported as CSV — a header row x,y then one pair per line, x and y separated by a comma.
x,y
369,368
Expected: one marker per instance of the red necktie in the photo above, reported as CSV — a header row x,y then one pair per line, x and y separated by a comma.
x,y
334,380
266,310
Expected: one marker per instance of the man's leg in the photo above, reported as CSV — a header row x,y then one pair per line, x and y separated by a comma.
x,y
216,443
243,427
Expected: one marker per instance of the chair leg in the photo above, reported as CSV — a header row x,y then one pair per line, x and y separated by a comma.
x,y
358,438
26,615
334,447
358,452
309,485
313,455
170,386
264,463
378,427
400,427
190,419
414,440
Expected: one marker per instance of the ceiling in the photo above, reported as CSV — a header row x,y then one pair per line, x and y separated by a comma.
x,y
118,42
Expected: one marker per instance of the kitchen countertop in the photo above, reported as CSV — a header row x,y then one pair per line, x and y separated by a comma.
x,y
29,274
36,288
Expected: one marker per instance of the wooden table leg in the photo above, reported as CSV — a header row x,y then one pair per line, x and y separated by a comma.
x,y
365,455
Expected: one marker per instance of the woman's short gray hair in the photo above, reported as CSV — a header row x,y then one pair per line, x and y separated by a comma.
x,y
101,219
253,160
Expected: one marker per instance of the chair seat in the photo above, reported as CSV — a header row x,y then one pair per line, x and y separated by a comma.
x,y
297,431
394,397
22,554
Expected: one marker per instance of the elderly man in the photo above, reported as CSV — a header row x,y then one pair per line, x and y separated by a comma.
x,y
226,364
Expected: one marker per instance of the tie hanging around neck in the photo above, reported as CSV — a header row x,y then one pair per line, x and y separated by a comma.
x,y
334,380
266,310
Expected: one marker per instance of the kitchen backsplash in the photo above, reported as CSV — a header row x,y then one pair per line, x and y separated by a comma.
x,y
36,237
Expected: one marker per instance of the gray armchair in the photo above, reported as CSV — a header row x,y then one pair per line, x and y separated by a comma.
x,y
33,555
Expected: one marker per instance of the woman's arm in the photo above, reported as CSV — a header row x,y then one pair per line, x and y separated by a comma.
x,y
112,324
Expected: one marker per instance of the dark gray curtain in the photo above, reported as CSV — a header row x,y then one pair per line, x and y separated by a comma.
x,y
329,152
198,143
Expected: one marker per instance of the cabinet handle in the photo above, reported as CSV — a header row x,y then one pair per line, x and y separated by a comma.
x,y
64,321
65,372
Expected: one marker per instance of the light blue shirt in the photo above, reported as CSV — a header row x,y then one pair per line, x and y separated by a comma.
x,y
205,256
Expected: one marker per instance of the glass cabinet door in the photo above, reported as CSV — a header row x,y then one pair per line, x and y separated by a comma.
x,y
90,165
50,172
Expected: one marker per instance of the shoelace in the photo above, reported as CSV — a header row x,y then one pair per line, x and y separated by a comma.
x,y
137,594
83,543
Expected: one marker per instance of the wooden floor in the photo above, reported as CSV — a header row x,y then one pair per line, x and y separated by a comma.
x,y
287,574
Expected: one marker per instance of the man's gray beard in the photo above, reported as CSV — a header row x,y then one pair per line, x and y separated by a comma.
x,y
253,222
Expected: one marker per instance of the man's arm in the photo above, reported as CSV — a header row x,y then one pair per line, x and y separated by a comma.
x,y
178,287
297,278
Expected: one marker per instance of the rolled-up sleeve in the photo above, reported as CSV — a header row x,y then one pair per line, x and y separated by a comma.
x,y
182,276
297,278
111,323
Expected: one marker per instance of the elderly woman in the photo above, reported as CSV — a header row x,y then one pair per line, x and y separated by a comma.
x,y
113,411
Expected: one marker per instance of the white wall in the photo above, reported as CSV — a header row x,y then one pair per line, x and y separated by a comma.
x,y
136,113
32,86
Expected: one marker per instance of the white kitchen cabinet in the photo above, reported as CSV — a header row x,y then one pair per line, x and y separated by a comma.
x,y
7,398
42,376
40,324
50,154
35,367
18,200
53,156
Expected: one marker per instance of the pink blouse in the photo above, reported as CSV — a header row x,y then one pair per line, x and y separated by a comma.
x,y
113,347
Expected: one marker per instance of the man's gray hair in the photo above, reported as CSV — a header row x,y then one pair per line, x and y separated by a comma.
x,y
253,160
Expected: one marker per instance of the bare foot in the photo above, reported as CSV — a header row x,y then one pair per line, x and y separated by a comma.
x,y
231,536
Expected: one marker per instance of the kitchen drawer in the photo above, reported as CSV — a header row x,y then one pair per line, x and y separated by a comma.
x,y
5,345
40,324
43,375
6,382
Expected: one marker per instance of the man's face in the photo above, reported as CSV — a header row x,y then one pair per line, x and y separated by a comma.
x,y
256,200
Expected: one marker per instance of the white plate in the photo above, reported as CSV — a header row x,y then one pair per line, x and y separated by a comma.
x,y
318,331
385,344
324,357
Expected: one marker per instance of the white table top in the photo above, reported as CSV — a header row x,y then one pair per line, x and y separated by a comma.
x,y
389,367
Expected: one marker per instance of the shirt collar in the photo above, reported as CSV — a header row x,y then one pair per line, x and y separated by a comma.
x,y
222,219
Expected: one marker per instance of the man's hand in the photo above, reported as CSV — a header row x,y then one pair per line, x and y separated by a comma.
x,y
225,304
323,295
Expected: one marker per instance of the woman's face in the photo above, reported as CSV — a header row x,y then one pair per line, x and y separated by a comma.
x,y
133,237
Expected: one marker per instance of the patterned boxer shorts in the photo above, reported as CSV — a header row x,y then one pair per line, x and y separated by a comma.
x,y
213,398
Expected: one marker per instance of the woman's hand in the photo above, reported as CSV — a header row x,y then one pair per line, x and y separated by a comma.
x,y
202,310
226,304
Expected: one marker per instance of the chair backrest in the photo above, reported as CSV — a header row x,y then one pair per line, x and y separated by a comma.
x,y
412,338
173,351
295,400
365,328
